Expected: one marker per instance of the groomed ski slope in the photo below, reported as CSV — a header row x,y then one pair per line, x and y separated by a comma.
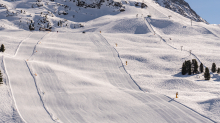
x,y
80,78
73,77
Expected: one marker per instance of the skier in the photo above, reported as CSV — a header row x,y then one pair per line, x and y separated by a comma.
x,y
57,31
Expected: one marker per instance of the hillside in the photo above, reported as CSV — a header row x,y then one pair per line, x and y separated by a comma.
x,y
125,67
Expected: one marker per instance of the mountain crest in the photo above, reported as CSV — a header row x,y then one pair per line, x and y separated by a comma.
x,y
181,7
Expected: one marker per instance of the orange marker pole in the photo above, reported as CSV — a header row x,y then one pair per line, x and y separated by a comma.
x,y
176,94
126,63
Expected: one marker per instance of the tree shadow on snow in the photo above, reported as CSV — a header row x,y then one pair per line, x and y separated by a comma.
x,y
216,77
173,100
182,76
212,103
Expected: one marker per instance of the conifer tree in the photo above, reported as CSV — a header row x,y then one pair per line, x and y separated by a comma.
x,y
189,70
1,79
207,74
183,69
213,67
218,71
195,66
188,66
201,67
2,49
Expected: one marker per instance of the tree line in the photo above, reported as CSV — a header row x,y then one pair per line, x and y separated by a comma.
x,y
190,68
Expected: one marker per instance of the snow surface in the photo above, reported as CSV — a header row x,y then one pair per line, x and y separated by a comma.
x,y
74,77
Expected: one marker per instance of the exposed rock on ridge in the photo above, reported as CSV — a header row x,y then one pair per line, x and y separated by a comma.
x,y
181,7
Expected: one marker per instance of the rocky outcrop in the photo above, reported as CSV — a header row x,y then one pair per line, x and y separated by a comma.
x,y
181,7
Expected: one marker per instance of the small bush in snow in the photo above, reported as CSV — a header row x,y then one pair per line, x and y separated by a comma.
x,y
2,49
213,67
207,74
218,71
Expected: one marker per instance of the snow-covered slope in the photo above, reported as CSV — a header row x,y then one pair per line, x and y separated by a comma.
x,y
69,76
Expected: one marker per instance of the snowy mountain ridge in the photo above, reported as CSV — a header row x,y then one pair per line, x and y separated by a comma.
x,y
52,14
181,7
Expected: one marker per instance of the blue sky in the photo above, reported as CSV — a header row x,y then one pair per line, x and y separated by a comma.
x,y
207,9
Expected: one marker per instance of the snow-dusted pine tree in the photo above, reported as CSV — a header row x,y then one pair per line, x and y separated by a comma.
x,y
213,67
188,67
183,69
2,49
195,65
218,71
201,67
207,74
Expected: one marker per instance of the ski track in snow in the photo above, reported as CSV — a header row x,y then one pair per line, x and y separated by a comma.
x,y
40,94
153,31
37,87
20,44
8,78
121,62
113,51
8,82
38,90
34,50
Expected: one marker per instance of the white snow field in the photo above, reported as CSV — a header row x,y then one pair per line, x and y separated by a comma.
x,y
71,76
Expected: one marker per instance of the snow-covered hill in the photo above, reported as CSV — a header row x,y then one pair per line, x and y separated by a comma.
x,y
125,67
